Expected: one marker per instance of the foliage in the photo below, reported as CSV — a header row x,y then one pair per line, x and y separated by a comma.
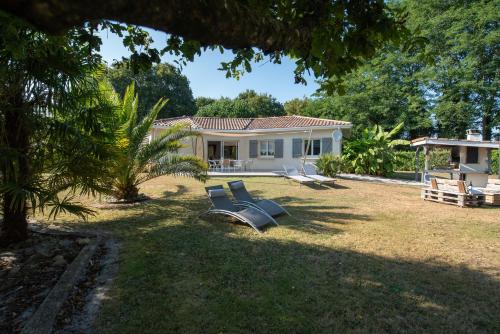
x,y
53,125
296,106
463,73
247,104
160,81
405,160
202,101
261,105
138,161
440,87
373,152
494,162
327,38
329,164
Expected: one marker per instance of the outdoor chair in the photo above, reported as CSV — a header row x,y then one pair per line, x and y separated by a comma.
x,y
293,174
310,172
241,195
213,165
222,205
237,165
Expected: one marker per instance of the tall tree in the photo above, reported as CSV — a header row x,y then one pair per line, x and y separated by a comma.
x,y
159,81
261,105
384,91
443,86
53,134
463,42
247,104
202,101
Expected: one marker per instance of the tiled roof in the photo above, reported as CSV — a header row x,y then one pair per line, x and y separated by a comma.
x,y
280,122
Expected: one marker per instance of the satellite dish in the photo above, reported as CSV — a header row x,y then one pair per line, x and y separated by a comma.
x,y
337,135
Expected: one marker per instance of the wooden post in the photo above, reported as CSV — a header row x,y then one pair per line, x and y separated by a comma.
x,y
488,158
426,164
499,161
417,163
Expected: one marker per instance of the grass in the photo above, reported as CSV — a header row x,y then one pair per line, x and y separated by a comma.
x,y
359,258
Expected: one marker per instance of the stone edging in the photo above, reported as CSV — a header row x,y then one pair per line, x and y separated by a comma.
x,y
43,319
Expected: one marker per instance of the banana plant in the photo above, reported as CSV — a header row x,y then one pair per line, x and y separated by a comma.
x,y
373,152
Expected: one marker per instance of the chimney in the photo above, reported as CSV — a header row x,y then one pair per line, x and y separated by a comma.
x,y
474,135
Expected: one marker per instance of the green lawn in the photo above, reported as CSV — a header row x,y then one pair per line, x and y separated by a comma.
x,y
360,258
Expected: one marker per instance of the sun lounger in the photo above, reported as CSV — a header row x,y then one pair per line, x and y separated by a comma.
x,y
293,174
221,204
241,194
310,172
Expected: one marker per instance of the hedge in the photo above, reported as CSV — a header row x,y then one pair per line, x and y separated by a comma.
x,y
405,160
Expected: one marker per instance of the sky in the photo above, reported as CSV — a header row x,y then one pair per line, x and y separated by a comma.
x,y
206,80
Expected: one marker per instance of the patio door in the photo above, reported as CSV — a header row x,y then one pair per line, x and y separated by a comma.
x,y
230,150
214,150
218,150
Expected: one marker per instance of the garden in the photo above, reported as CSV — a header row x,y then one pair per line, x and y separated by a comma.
x,y
101,225
344,261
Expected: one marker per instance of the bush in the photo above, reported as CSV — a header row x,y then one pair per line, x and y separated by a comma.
x,y
405,160
373,152
494,161
329,164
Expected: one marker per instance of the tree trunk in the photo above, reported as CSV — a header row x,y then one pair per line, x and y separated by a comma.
x,y
15,224
17,138
486,120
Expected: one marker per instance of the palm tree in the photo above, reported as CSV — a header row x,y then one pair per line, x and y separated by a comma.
x,y
139,161
53,140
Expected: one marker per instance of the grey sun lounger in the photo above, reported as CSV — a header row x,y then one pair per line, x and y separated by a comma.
x,y
310,171
241,194
221,204
293,174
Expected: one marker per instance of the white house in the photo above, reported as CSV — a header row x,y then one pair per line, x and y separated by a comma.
x,y
260,144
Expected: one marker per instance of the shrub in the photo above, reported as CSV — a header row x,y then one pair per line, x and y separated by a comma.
x,y
494,161
405,160
373,152
329,164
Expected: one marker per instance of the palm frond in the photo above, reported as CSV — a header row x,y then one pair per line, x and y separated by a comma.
x,y
397,129
67,205
177,165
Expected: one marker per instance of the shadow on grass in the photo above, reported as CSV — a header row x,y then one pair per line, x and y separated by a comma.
x,y
207,278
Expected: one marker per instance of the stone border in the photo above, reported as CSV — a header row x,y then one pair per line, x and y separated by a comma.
x,y
43,319
83,321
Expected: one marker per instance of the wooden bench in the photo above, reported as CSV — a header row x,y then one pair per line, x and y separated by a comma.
x,y
491,192
451,192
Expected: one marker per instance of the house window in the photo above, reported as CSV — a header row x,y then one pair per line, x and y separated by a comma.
x,y
472,155
313,149
267,148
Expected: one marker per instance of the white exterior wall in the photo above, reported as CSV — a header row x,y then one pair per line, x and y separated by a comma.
x,y
477,180
264,163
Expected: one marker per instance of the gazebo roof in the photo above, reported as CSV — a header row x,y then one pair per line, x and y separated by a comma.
x,y
427,141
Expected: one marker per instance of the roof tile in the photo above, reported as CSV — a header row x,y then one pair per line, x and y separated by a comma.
x,y
279,122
